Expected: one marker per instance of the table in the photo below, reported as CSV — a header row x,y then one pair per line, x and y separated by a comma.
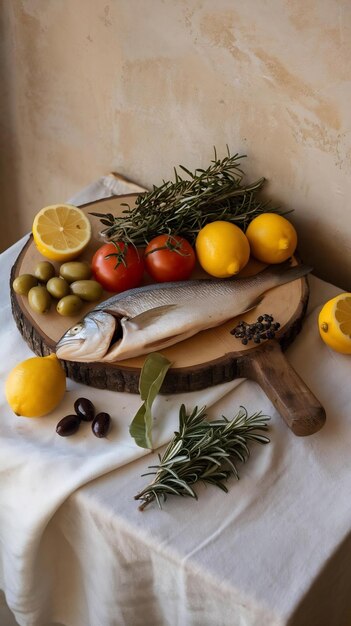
x,y
274,551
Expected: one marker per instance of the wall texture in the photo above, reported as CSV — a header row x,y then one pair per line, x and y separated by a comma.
x,y
138,86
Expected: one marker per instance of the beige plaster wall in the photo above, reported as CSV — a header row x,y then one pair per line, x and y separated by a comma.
x,y
138,86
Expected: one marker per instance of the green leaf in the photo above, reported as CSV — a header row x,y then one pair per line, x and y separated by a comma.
x,y
138,429
154,365
152,376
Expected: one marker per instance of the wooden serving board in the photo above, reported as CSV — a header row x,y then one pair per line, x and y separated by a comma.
x,y
211,357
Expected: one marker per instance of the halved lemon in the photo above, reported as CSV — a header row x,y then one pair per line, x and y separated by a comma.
x,y
61,232
334,323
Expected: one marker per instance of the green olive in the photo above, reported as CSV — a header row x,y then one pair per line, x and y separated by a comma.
x,y
57,287
75,270
23,283
39,299
44,271
69,305
89,290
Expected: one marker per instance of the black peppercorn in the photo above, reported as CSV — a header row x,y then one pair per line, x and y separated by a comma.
x,y
263,328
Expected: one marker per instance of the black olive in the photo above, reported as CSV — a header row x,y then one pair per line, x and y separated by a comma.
x,y
101,425
68,425
84,409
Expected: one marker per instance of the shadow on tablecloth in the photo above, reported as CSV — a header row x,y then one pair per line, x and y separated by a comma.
x,y
328,601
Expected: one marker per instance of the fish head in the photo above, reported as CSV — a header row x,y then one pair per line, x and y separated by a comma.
x,y
89,339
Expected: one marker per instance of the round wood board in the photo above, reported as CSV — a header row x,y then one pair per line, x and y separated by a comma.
x,y
211,357
208,358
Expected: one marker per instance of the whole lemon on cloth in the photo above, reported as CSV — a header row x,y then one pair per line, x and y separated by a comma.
x,y
334,322
61,232
35,386
222,249
272,238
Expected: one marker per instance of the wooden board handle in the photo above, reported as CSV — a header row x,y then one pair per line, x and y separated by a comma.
x,y
292,398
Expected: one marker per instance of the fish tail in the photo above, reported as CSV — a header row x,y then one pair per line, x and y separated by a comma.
x,y
284,273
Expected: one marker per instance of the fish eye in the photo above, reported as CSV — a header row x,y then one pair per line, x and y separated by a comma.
x,y
75,329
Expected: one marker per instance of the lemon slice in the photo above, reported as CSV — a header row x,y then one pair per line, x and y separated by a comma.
x,y
61,232
334,323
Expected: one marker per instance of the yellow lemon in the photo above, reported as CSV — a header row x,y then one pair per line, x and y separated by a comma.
x,y
334,322
36,386
272,238
222,249
61,232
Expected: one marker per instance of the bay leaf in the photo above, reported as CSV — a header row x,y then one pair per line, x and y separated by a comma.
x,y
151,378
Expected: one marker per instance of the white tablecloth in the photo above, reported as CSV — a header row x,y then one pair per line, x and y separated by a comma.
x,y
275,550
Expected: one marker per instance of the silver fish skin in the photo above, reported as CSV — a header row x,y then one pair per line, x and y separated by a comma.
x,y
153,317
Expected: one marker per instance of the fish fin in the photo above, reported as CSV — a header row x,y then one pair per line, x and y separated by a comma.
x,y
254,304
117,314
277,268
286,272
160,342
149,316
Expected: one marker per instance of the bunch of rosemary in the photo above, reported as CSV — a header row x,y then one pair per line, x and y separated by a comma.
x,y
185,205
203,451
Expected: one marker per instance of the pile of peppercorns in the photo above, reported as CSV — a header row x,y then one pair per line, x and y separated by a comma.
x,y
264,328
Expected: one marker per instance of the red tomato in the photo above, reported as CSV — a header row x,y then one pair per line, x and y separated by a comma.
x,y
169,257
112,273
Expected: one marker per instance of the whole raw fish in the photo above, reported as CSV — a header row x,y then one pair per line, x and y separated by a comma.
x,y
153,317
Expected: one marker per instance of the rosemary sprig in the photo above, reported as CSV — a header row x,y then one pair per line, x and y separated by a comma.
x,y
183,206
203,451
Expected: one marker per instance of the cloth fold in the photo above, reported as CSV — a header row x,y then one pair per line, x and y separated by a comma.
x,y
105,187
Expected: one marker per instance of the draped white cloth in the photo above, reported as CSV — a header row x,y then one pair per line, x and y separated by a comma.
x,y
75,550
